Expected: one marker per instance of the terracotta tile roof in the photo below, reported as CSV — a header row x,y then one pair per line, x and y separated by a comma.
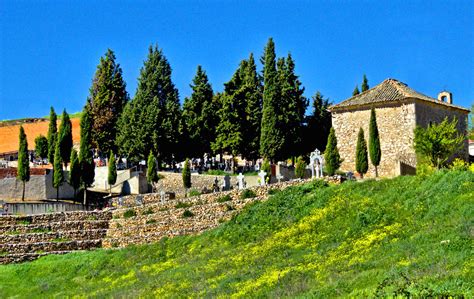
x,y
390,90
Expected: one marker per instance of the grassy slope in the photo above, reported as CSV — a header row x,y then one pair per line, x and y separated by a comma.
x,y
371,238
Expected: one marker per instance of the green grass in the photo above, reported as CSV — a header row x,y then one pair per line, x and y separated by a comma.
x,y
247,193
180,205
409,236
224,198
129,214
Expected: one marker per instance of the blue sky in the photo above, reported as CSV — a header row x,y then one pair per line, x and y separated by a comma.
x,y
49,50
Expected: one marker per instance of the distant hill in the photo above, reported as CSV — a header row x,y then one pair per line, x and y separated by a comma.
x,y
408,237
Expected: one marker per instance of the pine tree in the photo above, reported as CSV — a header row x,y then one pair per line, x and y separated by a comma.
x,y
365,84
52,135
186,176
331,155
152,171
361,159
107,97
356,91
300,168
74,171
374,142
272,138
200,114
152,118
318,124
58,175
23,171
85,153
65,138
112,171
41,146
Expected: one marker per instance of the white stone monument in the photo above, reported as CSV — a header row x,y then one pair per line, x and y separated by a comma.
x,y
316,163
262,175
241,181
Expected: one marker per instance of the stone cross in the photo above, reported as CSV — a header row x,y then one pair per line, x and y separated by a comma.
x,y
241,177
162,196
226,185
120,201
262,175
279,177
139,200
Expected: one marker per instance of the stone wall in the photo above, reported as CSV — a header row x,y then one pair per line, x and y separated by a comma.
x,y
395,123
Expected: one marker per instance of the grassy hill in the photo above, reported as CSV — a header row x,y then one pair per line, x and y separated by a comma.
x,y
404,236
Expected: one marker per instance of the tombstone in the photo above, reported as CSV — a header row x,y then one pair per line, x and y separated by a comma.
x,y
120,201
279,177
139,200
316,164
241,179
2,207
162,196
215,186
262,175
226,185
350,176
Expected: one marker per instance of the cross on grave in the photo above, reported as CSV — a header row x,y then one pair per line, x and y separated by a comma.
x,y
262,175
162,196
139,200
120,201
226,185
279,177
241,177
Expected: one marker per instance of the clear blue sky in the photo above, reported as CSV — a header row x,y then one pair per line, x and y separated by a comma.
x,y
50,49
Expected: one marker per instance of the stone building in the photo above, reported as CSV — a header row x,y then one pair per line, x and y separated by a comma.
x,y
399,110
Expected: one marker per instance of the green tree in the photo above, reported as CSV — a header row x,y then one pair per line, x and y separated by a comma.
x,y
23,171
74,171
86,158
112,171
52,134
361,159
318,124
152,118
41,146
331,154
300,168
107,97
365,84
58,175
355,91
438,142
65,138
186,176
374,142
267,168
471,123
200,114
152,171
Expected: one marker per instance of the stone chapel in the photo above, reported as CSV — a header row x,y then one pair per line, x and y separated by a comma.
x,y
399,109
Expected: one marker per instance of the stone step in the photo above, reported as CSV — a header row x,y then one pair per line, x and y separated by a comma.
x,y
24,257
50,236
43,247
54,226
54,217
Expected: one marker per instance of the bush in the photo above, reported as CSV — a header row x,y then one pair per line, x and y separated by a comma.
x,y
151,221
247,193
194,192
459,164
148,211
471,167
129,213
180,205
224,198
229,207
424,169
188,213
300,168
273,191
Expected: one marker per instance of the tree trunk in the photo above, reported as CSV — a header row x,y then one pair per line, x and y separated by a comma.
x,y
57,194
85,196
376,171
23,195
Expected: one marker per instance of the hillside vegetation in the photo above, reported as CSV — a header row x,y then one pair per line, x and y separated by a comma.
x,y
404,236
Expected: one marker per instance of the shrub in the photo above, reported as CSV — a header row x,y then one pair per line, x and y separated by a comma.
x,y
188,213
459,164
224,198
129,213
181,205
229,207
194,192
148,211
300,168
471,167
273,191
424,169
247,193
151,221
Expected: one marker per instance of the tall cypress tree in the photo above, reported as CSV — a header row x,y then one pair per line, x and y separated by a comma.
x,y
318,124
365,84
152,118
112,171
356,91
361,159
374,142
65,138
331,155
152,171
58,175
107,97
23,171
200,114
52,134
74,172
86,158
272,138
186,176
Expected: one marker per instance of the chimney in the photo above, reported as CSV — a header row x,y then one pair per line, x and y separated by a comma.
x,y
445,96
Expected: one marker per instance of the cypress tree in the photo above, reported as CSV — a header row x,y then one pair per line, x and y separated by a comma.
x,y
112,171
107,97
361,159
52,134
365,84
374,142
85,153
152,171
200,114
58,175
65,138
272,138
74,171
267,168
300,168
186,176
41,146
331,155
23,170
356,91
318,124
